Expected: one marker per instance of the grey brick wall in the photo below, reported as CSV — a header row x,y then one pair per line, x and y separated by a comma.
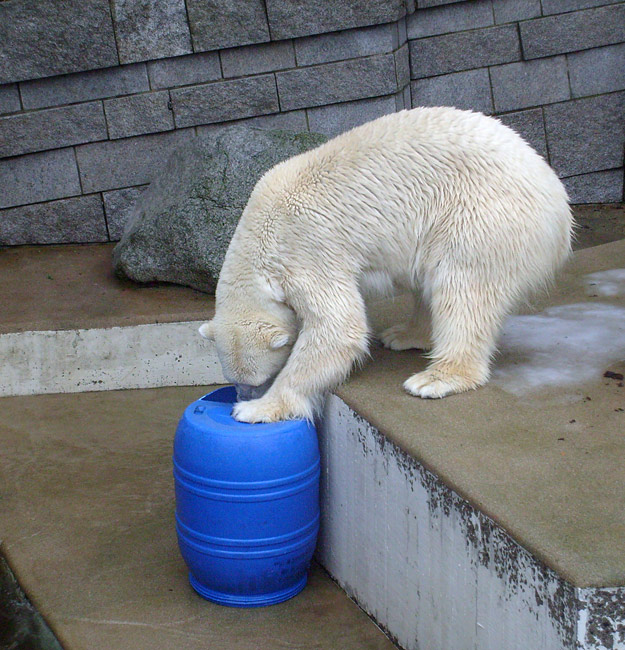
x,y
38,177
40,39
95,94
554,70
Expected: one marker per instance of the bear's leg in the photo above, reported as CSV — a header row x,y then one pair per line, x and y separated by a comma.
x,y
333,335
416,333
467,315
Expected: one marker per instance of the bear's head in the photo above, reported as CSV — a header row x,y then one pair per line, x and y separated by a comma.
x,y
253,341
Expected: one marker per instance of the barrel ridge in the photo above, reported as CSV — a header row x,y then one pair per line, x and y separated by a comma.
x,y
313,524
259,494
191,477
246,553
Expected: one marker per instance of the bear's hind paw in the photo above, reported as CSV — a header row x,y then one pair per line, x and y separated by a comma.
x,y
403,337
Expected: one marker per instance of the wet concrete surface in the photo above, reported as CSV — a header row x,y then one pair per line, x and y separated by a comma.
x,y
73,287
599,224
86,514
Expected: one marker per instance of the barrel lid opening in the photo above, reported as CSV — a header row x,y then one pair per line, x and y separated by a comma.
x,y
224,395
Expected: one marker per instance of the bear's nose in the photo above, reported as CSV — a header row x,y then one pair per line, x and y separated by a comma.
x,y
246,392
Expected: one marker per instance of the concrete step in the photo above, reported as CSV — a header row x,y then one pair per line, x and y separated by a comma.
x,y
70,325
86,514
493,519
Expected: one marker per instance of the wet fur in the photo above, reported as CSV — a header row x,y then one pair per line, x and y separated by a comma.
x,y
450,204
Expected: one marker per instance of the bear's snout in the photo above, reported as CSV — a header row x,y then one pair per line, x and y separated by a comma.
x,y
247,392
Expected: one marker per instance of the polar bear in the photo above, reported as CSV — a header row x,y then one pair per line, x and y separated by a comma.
x,y
450,204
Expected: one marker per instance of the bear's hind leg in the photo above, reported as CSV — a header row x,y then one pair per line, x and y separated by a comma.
x,y
415,333
466,317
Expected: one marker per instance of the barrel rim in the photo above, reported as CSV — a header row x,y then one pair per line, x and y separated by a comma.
x,y
191,412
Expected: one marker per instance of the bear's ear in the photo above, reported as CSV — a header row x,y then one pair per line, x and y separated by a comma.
x,y
279,339
277,336
207,330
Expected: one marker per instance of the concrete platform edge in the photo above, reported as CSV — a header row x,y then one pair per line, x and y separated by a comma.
x,y
78,360
432,570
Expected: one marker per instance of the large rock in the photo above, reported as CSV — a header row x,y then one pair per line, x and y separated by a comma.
x,y
180,228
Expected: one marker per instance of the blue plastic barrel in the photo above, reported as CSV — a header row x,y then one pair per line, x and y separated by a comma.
x,y
247,503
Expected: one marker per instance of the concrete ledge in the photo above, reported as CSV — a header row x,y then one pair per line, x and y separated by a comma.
x,y
431,569
492,519
70,326
73,361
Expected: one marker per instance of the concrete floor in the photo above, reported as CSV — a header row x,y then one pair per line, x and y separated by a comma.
x,y
73,287
599,224
86,513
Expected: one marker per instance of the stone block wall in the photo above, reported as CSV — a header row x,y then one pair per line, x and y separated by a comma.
x,y
94,94
554,70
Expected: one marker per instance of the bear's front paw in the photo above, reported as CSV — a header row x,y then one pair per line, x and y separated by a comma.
x,y
404,337
272,409
436,382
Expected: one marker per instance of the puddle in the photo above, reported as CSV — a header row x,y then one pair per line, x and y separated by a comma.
x,y
608,284
564,345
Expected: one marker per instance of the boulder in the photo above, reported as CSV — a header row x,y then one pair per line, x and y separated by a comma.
x,y
180,227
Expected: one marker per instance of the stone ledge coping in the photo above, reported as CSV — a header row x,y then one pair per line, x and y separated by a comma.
x,y
546,465
69,287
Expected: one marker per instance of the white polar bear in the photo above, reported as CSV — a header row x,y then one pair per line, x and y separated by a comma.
x,y
451,204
